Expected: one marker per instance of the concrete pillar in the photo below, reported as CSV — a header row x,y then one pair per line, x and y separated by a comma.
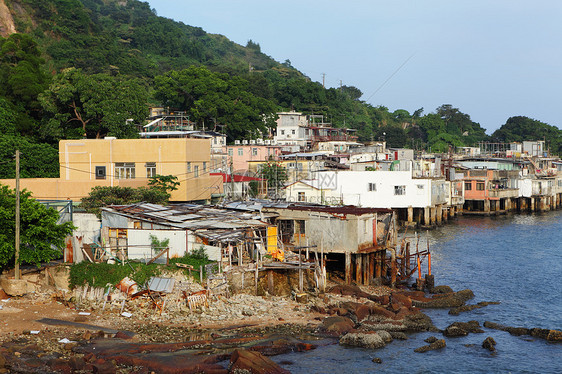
x,y
432,213
348,267
446,214
427,216
410,214
486,206
451,211
359,268
532,204
439,213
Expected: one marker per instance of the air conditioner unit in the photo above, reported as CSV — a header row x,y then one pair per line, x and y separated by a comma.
x,y
267,142
259,141
237,142
252,141
245,142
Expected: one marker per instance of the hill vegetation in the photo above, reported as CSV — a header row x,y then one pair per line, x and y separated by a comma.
x,y
80,68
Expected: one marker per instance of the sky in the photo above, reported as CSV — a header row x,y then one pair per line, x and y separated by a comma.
x,y
492,59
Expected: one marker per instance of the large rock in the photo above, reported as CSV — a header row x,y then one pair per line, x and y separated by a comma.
x,y
338,325
13,287
489,343
554,336
462,328
243,361
452,300
438,344
370,340
402,299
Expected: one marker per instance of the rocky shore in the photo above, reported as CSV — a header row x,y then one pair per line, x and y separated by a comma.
x,y
44,332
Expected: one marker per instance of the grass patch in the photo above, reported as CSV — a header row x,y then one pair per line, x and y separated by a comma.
x,y
101,274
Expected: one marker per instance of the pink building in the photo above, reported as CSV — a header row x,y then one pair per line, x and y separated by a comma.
x,y
240,154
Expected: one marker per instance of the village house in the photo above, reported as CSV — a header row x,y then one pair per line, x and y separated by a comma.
x,y
306,132
354,240
243,152
416,200
86,163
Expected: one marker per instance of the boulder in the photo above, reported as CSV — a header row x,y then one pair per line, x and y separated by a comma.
x,y
462,328
361,312
370,340
338,325
431,339
438,344
489,343
380,311
441,289
254,363
402,299
554,336
385,335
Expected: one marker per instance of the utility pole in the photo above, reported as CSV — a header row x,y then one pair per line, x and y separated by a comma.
x,y
17,267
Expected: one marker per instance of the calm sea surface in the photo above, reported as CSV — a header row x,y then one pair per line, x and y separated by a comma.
x,y
516,260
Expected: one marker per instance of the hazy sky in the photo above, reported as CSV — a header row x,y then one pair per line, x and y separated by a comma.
x,y
492,59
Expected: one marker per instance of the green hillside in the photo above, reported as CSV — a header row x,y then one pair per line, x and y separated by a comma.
x,y
80,68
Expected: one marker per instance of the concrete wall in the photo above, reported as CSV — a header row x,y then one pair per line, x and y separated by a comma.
x,y
78,160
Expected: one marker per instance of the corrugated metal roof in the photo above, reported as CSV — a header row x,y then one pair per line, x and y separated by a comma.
x,y
161,284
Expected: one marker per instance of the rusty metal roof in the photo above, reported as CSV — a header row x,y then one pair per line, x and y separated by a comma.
x,y
214,223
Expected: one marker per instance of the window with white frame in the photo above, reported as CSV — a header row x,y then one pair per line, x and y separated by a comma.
x,y
196,171
240,151
150,169
400,190
254,151
371,186
301,197
204,166
124,170
230,151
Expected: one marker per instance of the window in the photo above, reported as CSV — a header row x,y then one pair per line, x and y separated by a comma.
x,y
400,190
100,172
125,170
196,171
467,186
189,167
293,132
371,186
230,151
254,151
282,132
420,186
150,169
301,197
480,186
240,151
204,166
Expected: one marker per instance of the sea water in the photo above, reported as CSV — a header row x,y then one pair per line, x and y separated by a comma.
x,y
516,260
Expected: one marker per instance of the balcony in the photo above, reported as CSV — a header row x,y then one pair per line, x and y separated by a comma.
x,y
503,193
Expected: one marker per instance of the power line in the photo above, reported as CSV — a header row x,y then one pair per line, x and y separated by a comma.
x,y
390,77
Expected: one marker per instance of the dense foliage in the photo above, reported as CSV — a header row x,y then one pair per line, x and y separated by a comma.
x,y
41,237
88,67
101,196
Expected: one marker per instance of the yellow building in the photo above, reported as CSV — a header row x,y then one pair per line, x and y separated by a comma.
x,y
86,163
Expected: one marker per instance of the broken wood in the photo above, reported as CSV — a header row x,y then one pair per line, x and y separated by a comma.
x,y
167,250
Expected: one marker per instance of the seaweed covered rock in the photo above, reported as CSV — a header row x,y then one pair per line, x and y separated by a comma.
x,y
438,344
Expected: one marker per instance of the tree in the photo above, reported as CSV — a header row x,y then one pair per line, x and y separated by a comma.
x,y
165,183
92,106
41,237
101,196
211,98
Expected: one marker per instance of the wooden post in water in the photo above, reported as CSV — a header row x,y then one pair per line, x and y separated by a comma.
x,y
347,267
358,268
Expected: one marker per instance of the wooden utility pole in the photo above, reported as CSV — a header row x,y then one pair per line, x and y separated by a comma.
x,y
17,267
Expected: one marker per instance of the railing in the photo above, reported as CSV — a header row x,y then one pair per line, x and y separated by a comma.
x,y
503,193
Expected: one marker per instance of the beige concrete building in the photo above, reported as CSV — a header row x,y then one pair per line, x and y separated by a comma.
x,y
86,163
